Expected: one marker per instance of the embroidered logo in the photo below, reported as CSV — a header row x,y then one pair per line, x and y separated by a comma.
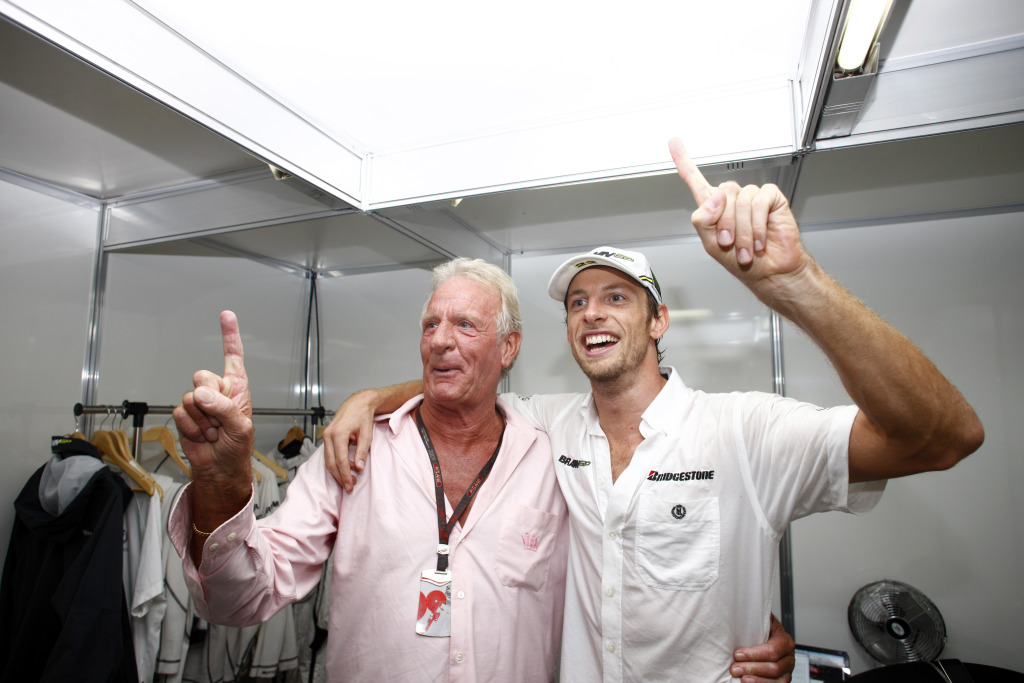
x,y
531,542
569,462
678,512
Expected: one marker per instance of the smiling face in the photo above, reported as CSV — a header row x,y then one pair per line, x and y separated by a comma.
x,y
459,346
609,326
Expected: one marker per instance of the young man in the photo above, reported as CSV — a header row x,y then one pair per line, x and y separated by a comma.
x,y
677,498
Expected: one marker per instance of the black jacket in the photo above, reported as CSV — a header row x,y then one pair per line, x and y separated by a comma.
x,y
63,611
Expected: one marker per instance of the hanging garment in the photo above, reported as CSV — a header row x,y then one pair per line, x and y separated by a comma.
x,y
290,456
143,569
63,613
175,631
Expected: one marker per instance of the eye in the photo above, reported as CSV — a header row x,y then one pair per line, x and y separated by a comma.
x,y
617,297
465,324
429,326
577,303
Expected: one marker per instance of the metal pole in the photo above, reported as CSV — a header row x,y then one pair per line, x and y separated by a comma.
x,y
785,545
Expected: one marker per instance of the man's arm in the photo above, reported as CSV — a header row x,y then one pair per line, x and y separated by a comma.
x,y
353,424
215,429
912,419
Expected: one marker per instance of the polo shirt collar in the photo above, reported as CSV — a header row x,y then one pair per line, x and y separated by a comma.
x,y
665,412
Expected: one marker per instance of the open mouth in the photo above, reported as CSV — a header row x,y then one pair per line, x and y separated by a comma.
x,y
596,342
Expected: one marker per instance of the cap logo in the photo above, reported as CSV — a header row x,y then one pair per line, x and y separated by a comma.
x,y
583,264
611,254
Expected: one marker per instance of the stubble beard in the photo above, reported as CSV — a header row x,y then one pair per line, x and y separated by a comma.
x,y
622,367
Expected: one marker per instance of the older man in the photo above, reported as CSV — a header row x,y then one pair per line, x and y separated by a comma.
x,y
678,498
449,559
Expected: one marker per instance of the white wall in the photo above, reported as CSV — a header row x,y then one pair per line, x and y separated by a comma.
x,y
370,330
160,323
954,287
45,275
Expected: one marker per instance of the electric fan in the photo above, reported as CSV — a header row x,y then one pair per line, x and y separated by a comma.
x,y
896,623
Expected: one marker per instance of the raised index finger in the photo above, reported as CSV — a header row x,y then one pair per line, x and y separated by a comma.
x,y
234,357
689,172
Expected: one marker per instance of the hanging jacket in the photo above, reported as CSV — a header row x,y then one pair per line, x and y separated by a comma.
x,y
63,613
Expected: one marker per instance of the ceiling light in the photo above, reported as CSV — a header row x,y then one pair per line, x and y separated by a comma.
x,y
863,24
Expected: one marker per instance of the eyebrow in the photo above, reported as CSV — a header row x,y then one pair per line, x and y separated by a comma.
x,y
603,289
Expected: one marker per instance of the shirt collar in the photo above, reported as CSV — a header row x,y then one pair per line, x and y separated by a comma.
x,y
513,418
665,412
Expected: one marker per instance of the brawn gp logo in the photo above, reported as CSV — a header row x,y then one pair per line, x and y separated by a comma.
x,y
569,462
606,254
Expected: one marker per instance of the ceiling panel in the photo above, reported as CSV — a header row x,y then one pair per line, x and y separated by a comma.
x,y
972,171
337,246
69,125
516,109
369,101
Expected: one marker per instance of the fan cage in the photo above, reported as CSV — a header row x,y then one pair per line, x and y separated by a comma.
x,y
895,623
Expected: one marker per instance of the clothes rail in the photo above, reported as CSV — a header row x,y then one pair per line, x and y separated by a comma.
x,y
138,411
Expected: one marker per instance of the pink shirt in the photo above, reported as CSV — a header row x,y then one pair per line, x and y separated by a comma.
x,y
508,563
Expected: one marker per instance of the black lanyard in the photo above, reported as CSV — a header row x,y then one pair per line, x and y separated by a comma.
x,y
444,525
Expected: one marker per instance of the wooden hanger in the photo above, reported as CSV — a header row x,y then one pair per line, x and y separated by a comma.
x,y
296,433
166,438
121,439
112,453
278,470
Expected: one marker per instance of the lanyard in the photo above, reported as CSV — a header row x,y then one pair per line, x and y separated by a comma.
x,y
445,526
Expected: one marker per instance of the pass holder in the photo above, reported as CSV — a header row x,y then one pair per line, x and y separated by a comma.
x,y
435,616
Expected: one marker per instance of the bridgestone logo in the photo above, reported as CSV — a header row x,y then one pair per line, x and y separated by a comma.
x,y
693,475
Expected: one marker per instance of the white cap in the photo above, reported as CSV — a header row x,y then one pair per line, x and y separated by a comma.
x,y
632,263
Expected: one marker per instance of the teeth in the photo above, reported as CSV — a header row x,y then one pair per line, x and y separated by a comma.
x,y
600,339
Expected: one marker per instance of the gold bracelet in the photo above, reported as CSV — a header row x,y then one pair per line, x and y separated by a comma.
x,y
201,533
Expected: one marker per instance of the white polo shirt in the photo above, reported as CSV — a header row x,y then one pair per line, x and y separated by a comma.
x,y
673,566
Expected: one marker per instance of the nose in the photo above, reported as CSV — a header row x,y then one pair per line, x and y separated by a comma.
x,y
593,311
441,338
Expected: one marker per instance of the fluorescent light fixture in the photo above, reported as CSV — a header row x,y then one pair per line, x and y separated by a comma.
x,y
863,23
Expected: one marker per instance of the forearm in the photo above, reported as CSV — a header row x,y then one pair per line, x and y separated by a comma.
x,y
388,399
216,498
255,568
913,417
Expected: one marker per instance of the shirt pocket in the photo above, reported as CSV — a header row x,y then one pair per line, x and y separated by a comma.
x,y
678,542
525,547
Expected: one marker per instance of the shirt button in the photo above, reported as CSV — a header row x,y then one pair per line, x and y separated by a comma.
x,y
603,481
214,546
612,535
611,592
461,594
459,656
232,536
611,647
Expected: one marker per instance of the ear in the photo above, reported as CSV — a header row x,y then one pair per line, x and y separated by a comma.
x,y
659,323
510,348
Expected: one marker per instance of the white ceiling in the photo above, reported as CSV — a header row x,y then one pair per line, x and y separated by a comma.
x,y
396,107
399,74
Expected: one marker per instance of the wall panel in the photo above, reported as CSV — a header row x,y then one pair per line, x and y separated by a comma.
x,y
45,273
953,286
370,330
160,323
